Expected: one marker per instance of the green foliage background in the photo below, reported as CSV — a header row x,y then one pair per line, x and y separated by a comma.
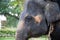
x,y
9,7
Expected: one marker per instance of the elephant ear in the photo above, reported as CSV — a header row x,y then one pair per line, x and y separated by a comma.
x,y
52,12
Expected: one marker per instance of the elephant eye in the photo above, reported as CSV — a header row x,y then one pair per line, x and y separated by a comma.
x,y
38,18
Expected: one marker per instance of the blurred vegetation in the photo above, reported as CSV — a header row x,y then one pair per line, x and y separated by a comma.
x,y
11,9
7,38
7,32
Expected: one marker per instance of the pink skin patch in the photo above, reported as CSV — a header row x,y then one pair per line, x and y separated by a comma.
x,y
20,25
38,19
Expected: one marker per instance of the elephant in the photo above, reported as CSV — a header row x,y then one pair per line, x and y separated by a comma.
x,y
36,18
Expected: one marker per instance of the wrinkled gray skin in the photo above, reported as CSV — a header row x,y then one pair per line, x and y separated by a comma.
x,y
28,26
55,35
